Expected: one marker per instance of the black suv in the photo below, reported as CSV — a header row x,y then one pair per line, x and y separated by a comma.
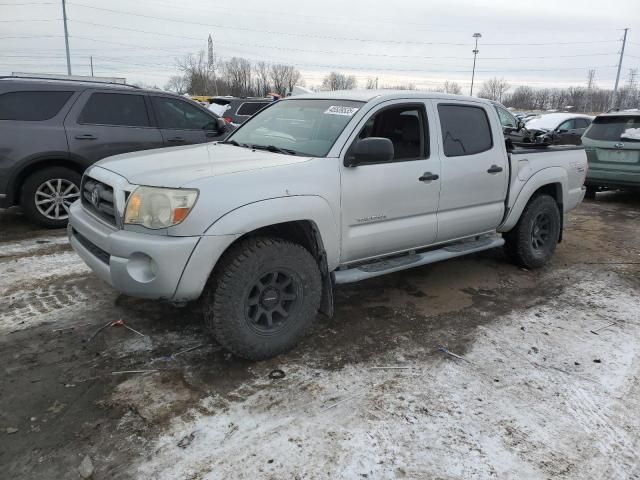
x,y
239,110
52,130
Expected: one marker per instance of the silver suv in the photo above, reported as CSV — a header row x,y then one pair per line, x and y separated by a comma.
x,y
52,130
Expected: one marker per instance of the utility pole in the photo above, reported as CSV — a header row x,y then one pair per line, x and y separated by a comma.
x,y
475,54
66,36
91,58
615,88
211,62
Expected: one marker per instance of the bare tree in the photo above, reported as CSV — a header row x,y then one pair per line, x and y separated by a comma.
x,y
494,89
372,83
237,74
279,78
338,81
196,74
292,77
452,88
177,83
262,80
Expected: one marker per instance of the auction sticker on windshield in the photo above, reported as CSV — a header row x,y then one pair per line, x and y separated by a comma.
x,y
341,110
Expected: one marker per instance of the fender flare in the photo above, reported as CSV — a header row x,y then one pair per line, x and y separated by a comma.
x,y
273,211
546,176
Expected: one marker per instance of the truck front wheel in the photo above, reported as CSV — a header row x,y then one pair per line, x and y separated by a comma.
x,y
263,296
533,240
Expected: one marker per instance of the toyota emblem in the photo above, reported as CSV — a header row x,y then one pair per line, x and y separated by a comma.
x,y
619,145
95,197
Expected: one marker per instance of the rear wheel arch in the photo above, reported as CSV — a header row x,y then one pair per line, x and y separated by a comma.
x,y
17,182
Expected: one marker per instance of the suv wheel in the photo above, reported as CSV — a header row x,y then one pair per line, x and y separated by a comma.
x,y
533,240
263,297
47,195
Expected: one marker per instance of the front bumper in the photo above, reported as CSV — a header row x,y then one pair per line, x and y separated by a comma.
x,y
145,265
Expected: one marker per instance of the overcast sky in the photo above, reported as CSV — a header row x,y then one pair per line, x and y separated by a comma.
x,y
399,41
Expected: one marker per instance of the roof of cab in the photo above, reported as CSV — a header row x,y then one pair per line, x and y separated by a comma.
x,y
380,95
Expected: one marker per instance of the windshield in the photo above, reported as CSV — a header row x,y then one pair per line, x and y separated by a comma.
x,y
615,129
299,127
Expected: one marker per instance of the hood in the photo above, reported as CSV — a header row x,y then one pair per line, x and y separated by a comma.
x,y
177,166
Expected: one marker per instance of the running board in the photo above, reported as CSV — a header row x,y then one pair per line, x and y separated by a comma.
x,y
404,262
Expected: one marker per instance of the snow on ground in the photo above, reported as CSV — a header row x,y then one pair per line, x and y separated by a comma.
x,y
31,245
33,287
538,395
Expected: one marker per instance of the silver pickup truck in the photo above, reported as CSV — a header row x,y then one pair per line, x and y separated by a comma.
x,y
313,191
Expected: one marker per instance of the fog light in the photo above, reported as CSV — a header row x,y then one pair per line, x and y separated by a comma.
x,y
141,267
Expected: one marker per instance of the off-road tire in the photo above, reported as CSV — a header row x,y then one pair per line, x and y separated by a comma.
x,y
228,296
31,185
519,244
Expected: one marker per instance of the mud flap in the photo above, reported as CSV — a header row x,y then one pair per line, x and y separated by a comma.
x,y
326,302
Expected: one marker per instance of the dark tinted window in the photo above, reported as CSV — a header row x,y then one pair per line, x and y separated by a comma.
x,y
465,130
178,114
115,109
615,129
404,126
32,105
249,108
581,123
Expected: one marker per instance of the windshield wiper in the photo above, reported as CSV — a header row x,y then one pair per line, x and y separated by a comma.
x,y
234,143
273,148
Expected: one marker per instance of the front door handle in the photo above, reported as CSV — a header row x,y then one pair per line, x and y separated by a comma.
x,y
176,139
86,136
428,176
494,169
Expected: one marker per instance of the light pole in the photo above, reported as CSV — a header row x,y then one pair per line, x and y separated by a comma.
x,y
475,54
66,36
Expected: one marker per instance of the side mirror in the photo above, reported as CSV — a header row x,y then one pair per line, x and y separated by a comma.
x,y
370,150
520,125
221,124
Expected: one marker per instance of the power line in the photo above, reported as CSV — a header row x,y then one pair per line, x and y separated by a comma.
x,y
322,37
333,52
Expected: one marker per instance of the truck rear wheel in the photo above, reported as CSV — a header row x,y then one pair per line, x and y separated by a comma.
x,y
533,240
264,295
47,195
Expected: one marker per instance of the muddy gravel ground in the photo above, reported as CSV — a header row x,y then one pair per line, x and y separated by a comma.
x,y
471,368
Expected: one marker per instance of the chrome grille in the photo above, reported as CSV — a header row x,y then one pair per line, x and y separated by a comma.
x,y
98,198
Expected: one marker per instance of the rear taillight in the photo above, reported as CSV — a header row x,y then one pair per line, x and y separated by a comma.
x,y
227,119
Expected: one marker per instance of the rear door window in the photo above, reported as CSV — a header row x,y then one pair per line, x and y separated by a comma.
x,y
177,114
615,128
250,108
117,109
465,130
32,105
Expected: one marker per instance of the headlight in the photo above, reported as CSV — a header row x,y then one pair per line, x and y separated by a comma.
x,y
154,207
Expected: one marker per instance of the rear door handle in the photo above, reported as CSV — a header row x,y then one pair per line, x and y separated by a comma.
x,y
428,176
494,169
86,136
176,139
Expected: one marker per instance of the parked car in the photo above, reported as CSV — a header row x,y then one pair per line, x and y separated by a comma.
x,y
558,128
52,130
317,190
612,143
239,110
513,128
